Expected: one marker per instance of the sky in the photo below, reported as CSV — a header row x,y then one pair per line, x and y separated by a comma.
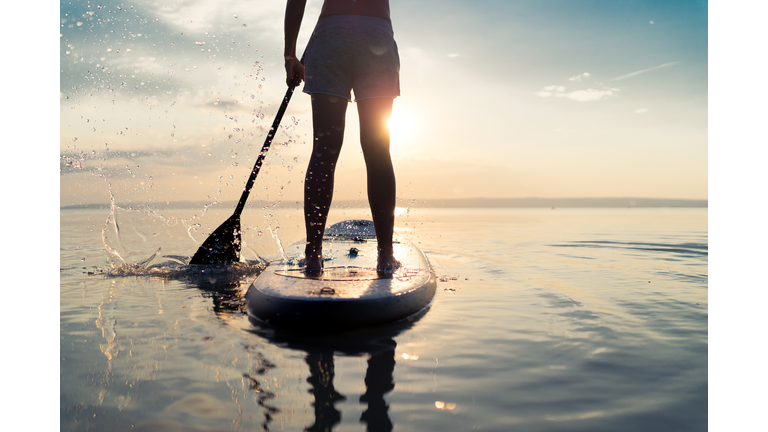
x,y
170,101
481,86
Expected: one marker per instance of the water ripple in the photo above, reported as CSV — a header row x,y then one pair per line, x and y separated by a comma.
x,y
695,249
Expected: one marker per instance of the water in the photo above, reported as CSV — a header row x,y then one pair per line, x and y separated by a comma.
x,y
544,320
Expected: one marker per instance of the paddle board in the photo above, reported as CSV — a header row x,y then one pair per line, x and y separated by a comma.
x,y
349,293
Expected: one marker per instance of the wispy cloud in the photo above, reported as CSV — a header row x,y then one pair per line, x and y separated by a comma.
x,y
222,16
577,78
579,95
582,95
642,71
155,49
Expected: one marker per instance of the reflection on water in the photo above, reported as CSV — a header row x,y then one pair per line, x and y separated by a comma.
x,y
226,286
378,344
226,293
378,382
542,321
321,375
265,396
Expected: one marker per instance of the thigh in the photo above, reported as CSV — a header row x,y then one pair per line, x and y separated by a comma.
x,y
328,59
328,119
374,130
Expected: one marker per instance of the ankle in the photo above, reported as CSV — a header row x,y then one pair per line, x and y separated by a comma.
x,y
312,252
387,251
312,262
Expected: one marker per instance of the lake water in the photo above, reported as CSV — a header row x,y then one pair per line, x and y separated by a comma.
x,y
543,320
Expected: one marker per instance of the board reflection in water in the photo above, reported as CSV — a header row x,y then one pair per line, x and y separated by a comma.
x,y
377,343
378,382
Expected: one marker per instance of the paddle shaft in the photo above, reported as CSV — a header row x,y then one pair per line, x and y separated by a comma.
x,y
263,153
223,245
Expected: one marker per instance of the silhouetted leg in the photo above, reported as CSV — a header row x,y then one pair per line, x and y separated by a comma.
x,y
378,381
321,373
374,139
328,114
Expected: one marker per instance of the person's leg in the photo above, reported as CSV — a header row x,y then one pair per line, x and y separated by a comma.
x,y
328,114
374,138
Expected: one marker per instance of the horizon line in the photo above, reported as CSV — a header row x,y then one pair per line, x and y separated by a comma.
x,y
476,202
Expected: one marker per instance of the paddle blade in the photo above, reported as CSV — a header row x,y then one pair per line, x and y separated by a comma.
x,y
222,246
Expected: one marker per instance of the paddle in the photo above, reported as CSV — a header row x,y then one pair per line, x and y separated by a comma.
x,y
223,245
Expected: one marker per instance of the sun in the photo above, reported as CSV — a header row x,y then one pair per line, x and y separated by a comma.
x,y
401,126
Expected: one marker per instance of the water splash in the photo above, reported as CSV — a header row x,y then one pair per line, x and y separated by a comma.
x,y
112,222
276,237
178,269
143,242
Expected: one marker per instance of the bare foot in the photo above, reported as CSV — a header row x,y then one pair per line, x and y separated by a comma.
x,y
313,265
313,258
387,264
314,262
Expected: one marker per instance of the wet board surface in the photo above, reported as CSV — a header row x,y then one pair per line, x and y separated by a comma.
x,y
349,292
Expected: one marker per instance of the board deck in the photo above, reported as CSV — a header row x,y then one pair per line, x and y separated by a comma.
x,y
349,292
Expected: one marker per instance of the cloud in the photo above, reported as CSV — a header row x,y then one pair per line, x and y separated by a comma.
x,y
629,75
641,111
579,95
223,154
583,76
590,94
149,49
586,95
198,17
116,163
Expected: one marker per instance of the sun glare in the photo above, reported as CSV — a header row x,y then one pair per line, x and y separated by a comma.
x,y
401,126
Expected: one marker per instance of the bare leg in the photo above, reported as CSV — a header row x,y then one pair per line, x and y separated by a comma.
x,y
374,139
328,114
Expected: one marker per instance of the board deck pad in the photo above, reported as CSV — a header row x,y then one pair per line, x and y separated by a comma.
x,y
345,273
349,291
